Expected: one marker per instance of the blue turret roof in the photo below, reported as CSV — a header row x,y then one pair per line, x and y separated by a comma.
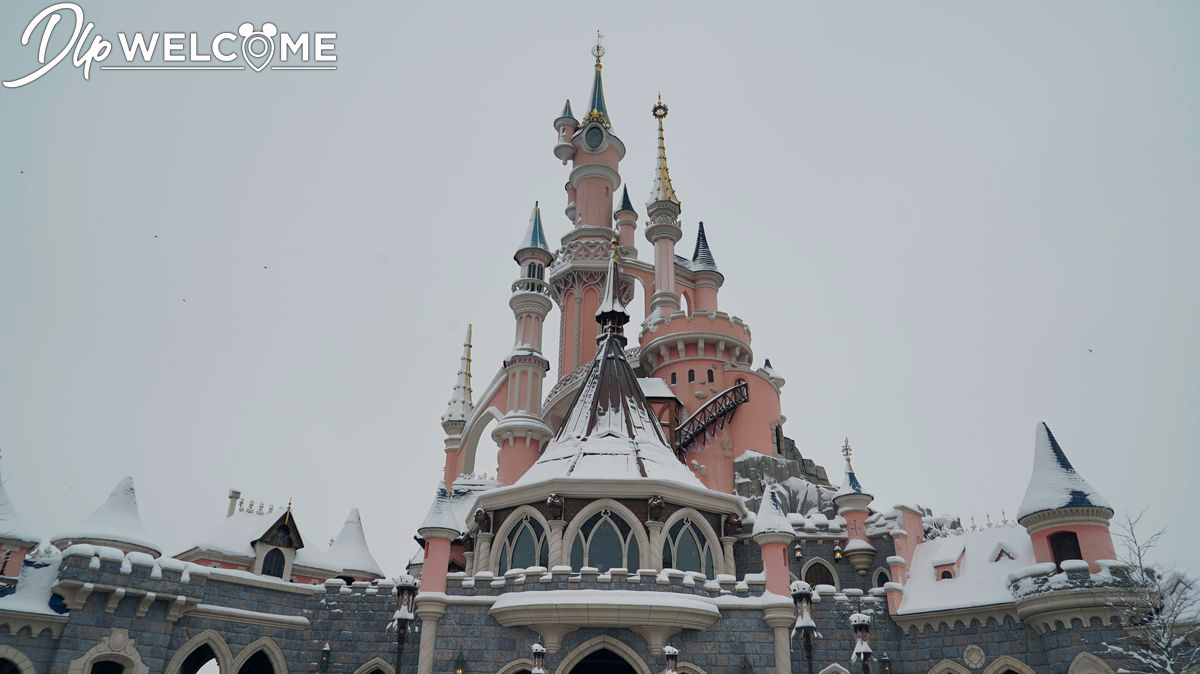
x,y
535,236
567,110
703,258
597,110
1055,483
626,204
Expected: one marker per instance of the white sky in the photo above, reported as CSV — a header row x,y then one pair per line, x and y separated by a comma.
x,y
943,223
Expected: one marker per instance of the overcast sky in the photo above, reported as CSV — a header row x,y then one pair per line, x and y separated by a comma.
x,y
943,222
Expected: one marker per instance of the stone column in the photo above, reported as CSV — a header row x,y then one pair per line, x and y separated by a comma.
x,y
556,543
780,618
654,554
483,552
727,548
429,610
470,563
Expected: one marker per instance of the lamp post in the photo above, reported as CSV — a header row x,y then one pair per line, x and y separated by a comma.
x,y
672,654
406,593
539,659
886,663
325,653
862,633
802,597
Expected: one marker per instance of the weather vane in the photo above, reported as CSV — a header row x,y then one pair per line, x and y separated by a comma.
x,y
598,50
846,451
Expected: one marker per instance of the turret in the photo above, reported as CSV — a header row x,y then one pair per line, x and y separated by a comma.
x,y
626,219
1064,515
708,278
116,523
594,152
458,409
773,533
521,432
663,232
853,503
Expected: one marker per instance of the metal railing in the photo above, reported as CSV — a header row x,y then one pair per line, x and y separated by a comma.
x,y
714,414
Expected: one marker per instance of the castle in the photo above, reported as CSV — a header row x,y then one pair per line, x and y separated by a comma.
x,y
648,514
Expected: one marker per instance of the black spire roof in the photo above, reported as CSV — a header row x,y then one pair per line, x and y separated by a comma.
x,y
703,258
626,204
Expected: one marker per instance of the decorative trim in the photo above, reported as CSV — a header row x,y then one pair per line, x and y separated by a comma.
x,y
1043,519
948,667
617,508
974,656
19,659
514,518
674,492
1007,662
1046,611
117,647
1086,663
266,645
373,664
931,620
36,622
210,638
603,642
817,561
834,669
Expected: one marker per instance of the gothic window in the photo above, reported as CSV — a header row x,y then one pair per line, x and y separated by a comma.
x,y
691,376
710,375
818,574
525,546
1064,545
686,548
881,577
606,542
107,667
273,563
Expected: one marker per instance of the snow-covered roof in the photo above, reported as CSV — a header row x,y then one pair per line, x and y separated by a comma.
x,y
452,508
980,579
349,550
116,520
772,516
460,405
535,236
702,258
655,387
1054,483
35,586
11,525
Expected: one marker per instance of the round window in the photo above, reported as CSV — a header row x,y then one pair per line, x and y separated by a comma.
x,y
594,137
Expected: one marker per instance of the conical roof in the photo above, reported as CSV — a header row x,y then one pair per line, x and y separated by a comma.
x,y
662,189
772,515
116,520
535,236
626,204
1054,482
460,405
11,526
597,110
567,110
702,258
350,549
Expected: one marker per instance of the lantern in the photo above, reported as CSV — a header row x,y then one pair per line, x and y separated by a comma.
x,y
460,664
837,553
539,658
325,653
862,633
886,662
672,654
802,596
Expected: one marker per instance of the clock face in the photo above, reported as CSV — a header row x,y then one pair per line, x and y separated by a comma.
x,y
594,137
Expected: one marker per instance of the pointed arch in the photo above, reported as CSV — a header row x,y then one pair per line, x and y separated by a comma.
x,y
210,638
599,643
949,667
817,561
1086,663
639,529
477,423
22,662
689,668
373,664
511,522
118,647
834,669
700,524
521,665
268,648
1006,662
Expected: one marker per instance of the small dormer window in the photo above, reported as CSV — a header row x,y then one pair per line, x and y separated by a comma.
x,y
946,575
273,563
1002,555
1064,545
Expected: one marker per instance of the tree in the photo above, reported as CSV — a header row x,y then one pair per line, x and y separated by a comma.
x,y
1159,609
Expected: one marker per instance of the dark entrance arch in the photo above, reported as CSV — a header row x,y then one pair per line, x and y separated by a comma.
x,y
197,659
603,661
258,663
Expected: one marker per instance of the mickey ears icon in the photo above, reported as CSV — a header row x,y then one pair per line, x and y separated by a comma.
x,y
247,29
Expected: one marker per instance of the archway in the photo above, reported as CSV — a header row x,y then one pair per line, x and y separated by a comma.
x,y
258,663
203,660
603,661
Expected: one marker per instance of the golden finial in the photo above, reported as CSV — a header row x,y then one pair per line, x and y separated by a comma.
x,y
660,109
598,50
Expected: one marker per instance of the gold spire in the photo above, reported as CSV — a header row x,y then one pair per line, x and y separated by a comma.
x,y
662,190
597,110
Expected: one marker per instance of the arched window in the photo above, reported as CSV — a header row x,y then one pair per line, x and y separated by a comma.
x,y
691,376
674,379
818,574
710,375
1063,546
9,667
605,541
273,563
947,574
525,546
685,548
107,667
881,577
346,579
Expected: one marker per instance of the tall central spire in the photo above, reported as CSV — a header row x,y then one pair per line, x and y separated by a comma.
x,y
597,111
612,315
662,190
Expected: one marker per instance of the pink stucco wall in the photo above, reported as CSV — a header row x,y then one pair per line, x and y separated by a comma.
x,y
1095,542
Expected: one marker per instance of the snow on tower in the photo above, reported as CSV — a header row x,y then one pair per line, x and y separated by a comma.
x,y
350,550
706,277
854,504
460,406
116,523
1064,515
773,532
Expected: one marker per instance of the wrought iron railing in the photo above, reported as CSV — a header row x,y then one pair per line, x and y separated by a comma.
x,y
531,285
713,415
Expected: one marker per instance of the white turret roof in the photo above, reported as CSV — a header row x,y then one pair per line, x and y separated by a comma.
x,y
460,405
1054,483
11,525
349,549
772,516
117,519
